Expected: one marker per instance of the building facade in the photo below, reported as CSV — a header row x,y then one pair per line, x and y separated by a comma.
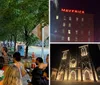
x,y
78,67
68,25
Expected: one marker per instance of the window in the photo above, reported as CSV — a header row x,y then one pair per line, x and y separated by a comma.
x,y
62,38
76,32
69,25
64,17
57,17
82,32
64,24
82,19
68,38
76,39
89,33
77,19
55,31
63,31
69,31
89,39
70,19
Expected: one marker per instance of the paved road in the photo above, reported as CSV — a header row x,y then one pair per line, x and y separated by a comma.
x,y
73,83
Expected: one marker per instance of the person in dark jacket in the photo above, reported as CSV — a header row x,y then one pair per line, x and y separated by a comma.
x,y
37,73
46,71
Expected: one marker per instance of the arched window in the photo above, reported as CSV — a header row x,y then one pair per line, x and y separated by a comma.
x,y
86,75
72,75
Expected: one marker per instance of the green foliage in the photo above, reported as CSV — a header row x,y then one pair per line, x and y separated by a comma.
x,y
16,16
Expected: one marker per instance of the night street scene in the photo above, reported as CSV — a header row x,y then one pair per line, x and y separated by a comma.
x,y
24,42
74,21
75,64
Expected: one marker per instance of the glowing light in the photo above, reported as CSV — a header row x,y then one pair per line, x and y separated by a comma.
x,y
65,77
69,25
69,32
57,17
76,31
64,24
70,18
73,63
63,10
68,38
82,19
73,11
84,51
76,18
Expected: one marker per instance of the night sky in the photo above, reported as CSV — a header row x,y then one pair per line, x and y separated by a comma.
x,y
56,53
89,6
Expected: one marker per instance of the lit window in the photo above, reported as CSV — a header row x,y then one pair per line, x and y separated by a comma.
x,y
64,17
76,18
69,25
82,19
63,31
68,38
62,38
57,17
70,18
64,24
76,31
55,31
69,31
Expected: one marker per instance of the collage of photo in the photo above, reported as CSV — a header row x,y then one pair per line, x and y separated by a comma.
x,y
49,42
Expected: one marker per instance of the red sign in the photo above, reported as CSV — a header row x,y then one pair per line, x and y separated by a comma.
x,y
73,11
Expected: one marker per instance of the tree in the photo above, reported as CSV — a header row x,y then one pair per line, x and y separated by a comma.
x,y
20,17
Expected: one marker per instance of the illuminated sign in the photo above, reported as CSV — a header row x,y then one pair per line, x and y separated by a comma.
x,y
73,11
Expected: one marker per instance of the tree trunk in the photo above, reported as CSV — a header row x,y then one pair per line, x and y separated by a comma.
x,y
15,40
26,39
11,41
26,51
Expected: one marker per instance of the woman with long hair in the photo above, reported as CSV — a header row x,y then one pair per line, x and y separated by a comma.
x,y
12,76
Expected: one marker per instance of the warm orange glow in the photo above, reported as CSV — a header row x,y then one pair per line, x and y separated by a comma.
x,y
66,10
73,11
83,12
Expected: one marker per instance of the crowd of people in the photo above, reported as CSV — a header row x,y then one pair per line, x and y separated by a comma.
x,y
13,74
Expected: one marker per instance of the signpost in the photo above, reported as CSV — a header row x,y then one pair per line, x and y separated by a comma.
x,y
42,34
